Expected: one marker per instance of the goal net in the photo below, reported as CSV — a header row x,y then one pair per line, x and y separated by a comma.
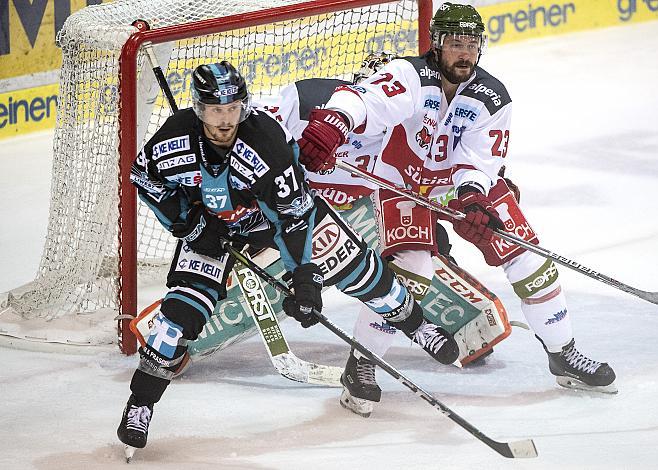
x,y
102,246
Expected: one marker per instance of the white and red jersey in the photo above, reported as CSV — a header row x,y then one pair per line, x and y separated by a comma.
x,y
292,108
432,145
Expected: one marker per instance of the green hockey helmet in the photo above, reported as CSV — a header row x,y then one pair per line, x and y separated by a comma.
x,y
457,19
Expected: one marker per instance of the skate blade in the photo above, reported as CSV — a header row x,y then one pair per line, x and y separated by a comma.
x,y
358,406
575,384
129,451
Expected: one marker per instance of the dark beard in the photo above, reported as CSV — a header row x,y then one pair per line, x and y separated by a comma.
x,y
452,75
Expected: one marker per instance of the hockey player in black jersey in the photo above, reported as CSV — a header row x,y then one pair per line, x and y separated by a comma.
x,y
222,170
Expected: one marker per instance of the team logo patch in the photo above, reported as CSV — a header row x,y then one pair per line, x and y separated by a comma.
x,y
166,147
414,222
251,158
176,161
556,317
332,248
514,220
190,178
424,137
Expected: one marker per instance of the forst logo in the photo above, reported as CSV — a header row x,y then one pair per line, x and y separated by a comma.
x,y
326,240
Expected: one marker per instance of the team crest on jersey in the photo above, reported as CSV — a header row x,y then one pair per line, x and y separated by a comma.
x,y
298,207
424,138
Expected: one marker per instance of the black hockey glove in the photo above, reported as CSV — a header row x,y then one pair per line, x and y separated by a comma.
x,y
307,283
202,232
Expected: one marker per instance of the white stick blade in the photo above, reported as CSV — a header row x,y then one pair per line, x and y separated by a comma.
x,y
524,449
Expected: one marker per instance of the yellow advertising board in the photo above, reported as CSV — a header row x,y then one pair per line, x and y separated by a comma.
x,y
519,20
28,30
28,110
27,34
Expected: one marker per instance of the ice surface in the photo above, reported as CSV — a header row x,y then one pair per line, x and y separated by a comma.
x,y
584,150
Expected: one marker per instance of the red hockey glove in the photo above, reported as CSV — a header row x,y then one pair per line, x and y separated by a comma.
x,y
326,131
510,184
481,218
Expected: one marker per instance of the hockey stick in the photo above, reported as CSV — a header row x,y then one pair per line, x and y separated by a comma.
x,y
517,449
564,261
284,360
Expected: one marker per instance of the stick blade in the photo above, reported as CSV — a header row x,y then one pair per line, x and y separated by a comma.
x,y
298,370
648,296
524,449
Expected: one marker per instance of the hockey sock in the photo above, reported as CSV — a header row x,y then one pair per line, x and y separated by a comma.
x,y
549,319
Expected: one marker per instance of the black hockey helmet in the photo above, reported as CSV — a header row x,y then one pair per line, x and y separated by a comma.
x,y
219,83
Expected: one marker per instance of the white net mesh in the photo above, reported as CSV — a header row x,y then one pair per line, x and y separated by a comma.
x,y
78,272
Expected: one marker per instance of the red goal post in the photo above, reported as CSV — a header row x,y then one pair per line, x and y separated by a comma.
x,y
103,245
128,145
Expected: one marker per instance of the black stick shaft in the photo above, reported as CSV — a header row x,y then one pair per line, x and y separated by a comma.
x,y
525,448
562,260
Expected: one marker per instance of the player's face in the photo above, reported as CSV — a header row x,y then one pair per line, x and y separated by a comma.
x,y
221,121
459,54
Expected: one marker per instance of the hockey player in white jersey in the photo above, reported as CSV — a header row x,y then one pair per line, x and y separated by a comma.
x,y
414,267
292,108
448,124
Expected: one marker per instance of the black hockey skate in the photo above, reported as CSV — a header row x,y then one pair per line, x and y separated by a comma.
x,y
574,370
360,389
436,341
134,428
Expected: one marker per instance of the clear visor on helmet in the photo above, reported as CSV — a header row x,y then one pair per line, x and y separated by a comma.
x,y
223,115
459,43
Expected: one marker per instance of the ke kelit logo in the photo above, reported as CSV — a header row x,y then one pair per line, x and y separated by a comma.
x,y
424,137
166,147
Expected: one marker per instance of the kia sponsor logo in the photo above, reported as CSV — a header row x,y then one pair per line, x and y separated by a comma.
x,y
326,239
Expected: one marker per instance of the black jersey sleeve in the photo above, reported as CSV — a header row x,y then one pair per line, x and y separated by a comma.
x,y
285,198
164,195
